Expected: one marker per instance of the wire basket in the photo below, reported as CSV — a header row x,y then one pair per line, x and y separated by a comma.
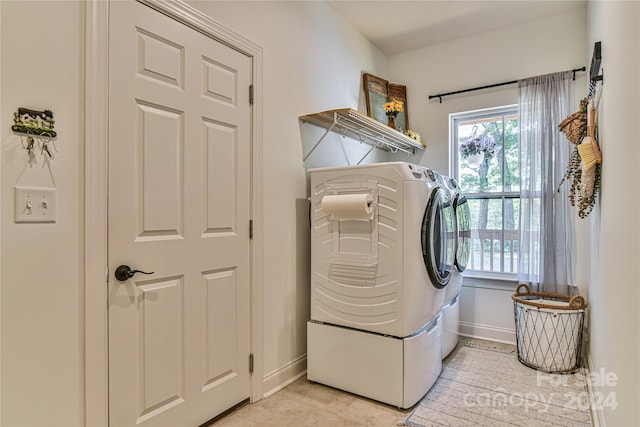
x,y
548,330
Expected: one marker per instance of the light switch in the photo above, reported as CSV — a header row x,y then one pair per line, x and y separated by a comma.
x,y
35,204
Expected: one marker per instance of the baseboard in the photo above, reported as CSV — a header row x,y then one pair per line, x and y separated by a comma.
x,y
597,414
282,377
486,332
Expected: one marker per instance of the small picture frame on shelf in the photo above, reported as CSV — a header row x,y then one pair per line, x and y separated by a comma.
x,y
375,92
379,91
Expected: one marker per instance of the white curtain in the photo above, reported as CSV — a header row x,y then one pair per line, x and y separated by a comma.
x,y
546,252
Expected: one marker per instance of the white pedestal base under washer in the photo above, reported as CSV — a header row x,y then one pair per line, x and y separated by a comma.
x,y
396,371
450,325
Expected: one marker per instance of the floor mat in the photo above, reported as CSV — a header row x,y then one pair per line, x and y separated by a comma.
x,y
489,387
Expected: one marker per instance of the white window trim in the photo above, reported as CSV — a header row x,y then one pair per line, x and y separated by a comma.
x,y
454,119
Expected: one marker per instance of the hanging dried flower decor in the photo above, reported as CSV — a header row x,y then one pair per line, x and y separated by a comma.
x,y
585,181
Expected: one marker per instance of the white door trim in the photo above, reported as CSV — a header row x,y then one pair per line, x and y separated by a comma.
x,y
95,190
96,409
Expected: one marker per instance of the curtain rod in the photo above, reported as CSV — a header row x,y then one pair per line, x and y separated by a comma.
x,y
574,71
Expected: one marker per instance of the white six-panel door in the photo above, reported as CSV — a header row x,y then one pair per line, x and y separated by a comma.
x,y
179,206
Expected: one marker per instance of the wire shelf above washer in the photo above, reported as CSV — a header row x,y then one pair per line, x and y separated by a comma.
x,y
351,123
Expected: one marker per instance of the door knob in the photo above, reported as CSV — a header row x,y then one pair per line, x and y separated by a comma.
x,y
124,273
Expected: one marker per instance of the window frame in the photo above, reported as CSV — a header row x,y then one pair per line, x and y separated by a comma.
x,y
480,115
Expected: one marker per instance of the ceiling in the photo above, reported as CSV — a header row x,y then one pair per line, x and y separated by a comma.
x,y
397,26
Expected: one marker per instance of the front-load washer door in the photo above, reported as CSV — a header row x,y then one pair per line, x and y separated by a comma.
x,y
463,216
439,237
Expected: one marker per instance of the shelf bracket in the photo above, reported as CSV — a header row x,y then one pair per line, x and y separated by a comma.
x,y
329,129
344,151
368,152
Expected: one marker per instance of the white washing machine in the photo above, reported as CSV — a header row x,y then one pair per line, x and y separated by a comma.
x,y
383,250
451,309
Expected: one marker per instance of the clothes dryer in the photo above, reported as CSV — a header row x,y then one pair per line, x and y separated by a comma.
x,y
385,272
450,309
382,254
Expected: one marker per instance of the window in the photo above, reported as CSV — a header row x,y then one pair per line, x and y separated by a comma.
x,y
485,163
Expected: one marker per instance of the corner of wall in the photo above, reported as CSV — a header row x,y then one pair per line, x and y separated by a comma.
x,y
597,414
282,377
1,127
615,234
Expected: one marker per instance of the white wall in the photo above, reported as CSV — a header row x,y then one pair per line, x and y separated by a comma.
x,y
41,313
1,127
541,46
614,232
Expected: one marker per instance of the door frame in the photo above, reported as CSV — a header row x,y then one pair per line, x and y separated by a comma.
x,y
96,108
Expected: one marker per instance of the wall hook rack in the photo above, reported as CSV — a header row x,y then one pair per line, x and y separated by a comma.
x,y
596,60
33,122
594,69
32,125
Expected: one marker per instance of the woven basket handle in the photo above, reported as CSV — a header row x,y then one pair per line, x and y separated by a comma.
x,y
527,290
577,302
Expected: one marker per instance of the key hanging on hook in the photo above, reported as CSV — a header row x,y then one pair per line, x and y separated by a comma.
x,y
45,148
30,144
45,144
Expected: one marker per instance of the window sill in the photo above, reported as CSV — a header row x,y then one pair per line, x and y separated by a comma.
x,y
486,280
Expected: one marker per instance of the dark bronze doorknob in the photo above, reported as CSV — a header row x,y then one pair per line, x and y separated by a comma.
x,y
124,273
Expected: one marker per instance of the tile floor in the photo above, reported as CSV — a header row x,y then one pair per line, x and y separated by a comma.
x,y
307,404
304,403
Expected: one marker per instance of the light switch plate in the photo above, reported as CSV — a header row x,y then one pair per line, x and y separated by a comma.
x,y
35,204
